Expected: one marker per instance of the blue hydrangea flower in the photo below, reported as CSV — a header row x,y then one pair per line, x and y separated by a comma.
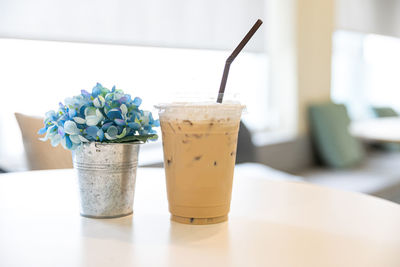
x,y
100,116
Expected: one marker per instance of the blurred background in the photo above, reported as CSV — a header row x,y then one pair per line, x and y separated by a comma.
x,y
307,52
50,50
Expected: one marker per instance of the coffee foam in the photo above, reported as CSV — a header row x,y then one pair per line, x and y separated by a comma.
x,y
199,111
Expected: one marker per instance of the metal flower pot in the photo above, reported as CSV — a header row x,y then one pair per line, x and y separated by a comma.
x,y
106,178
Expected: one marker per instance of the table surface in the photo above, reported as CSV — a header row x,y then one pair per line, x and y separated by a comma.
x,y
272,223
378,129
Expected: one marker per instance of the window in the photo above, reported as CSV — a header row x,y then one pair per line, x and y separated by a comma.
x,y
365,72
36,75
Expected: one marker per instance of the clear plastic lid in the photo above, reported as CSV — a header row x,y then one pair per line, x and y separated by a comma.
x,y
200,110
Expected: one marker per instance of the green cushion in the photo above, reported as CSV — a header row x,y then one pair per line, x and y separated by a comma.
x,y
384,112
329,128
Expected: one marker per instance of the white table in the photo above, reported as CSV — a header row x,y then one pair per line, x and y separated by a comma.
x,y
379,129
272,223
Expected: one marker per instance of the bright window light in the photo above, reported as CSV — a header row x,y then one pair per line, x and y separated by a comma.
x,y
36,75
365,72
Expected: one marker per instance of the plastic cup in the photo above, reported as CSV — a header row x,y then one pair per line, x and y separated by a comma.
x,y
199,142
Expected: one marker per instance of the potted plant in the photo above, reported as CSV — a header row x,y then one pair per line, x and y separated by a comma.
x,y
104,130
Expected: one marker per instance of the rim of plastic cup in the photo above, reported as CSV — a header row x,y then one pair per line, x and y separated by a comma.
x,y
199,105
196,100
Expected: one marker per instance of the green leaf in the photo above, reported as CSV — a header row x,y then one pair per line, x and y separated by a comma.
x,y
134,138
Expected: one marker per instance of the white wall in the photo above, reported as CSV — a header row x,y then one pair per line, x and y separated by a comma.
x,y
300,46
315,25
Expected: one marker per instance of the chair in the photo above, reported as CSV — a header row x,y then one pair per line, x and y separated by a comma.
x,y
381,112
334,144
245,147
386,112
41,155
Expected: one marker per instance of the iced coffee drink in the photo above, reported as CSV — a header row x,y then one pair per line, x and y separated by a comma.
x,y
199,142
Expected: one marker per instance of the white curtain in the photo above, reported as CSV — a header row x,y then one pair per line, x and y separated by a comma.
x,y
369,16
208,24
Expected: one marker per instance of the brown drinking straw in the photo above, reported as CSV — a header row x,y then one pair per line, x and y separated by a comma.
x,y
232,57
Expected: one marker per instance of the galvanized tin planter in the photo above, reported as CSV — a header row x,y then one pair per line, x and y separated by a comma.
x,y
106,178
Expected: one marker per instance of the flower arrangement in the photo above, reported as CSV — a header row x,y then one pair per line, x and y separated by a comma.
x,y
104,115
